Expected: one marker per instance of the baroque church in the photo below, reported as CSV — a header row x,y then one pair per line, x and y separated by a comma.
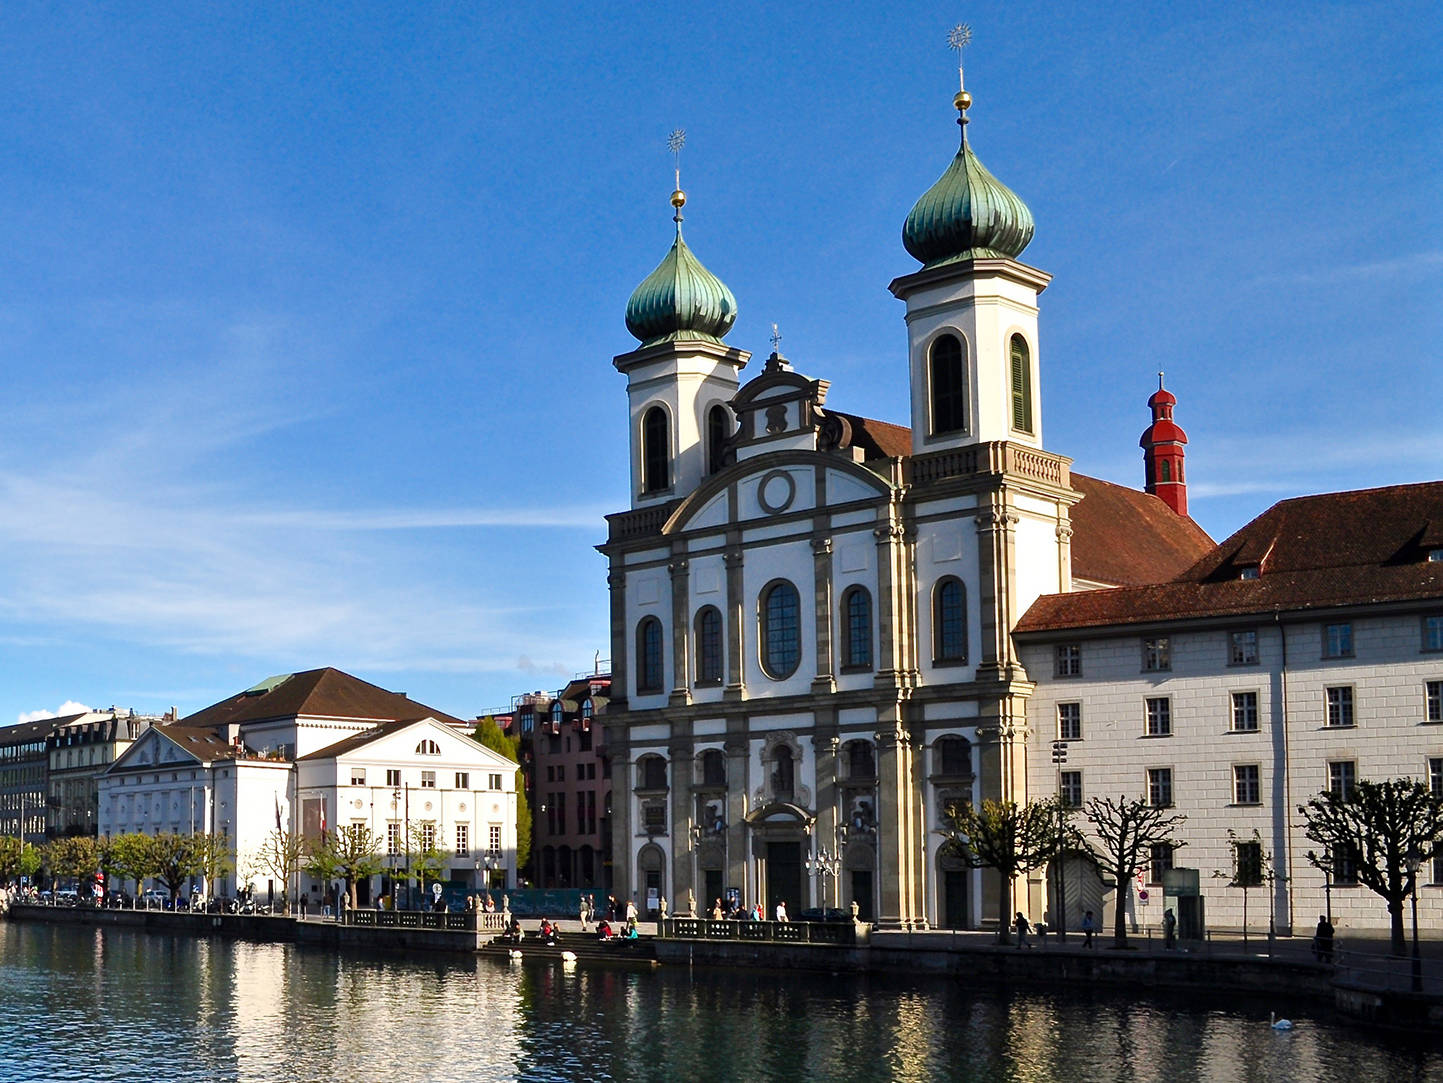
x,y
812,611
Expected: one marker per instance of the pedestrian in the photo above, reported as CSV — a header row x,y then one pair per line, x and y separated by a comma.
x,y
305,903
716,911
1323,940
582,913
631,911
1169,929
782,910
1019,923
1089,926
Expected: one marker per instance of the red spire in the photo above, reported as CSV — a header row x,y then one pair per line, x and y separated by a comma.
x,y
1162,451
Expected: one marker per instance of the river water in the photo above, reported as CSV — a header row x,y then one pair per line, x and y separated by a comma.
x,y
91,1004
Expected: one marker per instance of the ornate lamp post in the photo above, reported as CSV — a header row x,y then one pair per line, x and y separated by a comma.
x,y
1415,865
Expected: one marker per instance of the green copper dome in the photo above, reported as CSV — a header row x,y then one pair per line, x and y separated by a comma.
x,y
680,299
967,214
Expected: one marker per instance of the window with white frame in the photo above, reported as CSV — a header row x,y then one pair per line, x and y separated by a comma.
x,y
463,780
1245,712
428,835
1433,701
393,838
1068,660
1069,721
1069,789
1156,654
494,833
493,782
1246,787
1338,640
393,776
1340,706
1159,787
1159,716
358,776
1342,774
428,780
463,840
1243,647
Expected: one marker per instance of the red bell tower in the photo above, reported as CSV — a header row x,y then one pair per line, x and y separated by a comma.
x,y
1162,451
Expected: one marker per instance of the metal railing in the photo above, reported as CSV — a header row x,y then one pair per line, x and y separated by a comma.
x,y
832,933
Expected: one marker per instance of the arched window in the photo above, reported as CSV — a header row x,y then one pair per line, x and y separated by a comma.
x,y
781,632
1021,385
954,757
709,646
655,451
428,747
714,768
949,622
587,710
1166,470
651,773
947,377
784,777
648,655
857,629
718,431
556,713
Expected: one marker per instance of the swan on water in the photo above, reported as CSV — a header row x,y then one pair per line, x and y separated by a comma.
x,y
568,956
1280,1024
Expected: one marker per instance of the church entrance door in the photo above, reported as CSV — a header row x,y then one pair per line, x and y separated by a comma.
x,y
784,878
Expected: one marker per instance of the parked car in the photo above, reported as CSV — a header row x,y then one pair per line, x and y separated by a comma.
x,y
67,896
155,897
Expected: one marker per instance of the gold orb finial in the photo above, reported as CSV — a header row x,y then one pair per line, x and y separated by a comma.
x,y
678,199
962,102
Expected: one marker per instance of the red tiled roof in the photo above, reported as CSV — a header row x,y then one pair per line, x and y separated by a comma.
x,y
878,439
1338,549
321,693
1124,537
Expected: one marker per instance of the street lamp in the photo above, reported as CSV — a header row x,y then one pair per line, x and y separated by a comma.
x,y
1059,757
1415,865
825,864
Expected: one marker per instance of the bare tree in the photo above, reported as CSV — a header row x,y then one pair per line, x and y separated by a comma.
x,y
1377,834
1005,836
280,855
214,858
351,853
1125,830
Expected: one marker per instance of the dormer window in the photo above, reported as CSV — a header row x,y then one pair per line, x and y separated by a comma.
x,y
1249,571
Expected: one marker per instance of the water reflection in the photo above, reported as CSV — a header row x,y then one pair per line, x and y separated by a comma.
x,y
121,1005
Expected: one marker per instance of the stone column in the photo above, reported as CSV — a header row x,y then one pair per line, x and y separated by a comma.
x,y
824,683
894,822
738,805
683,865
735,617
680,570
827,744
997,576
623,783
616,582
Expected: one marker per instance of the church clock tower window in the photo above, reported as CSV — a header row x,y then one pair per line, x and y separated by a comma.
x,y
1021,385
718,430
781,639
648,656
655,451
949,385
709,646
857,629
949,622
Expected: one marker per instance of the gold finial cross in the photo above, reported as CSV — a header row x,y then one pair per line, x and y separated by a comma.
x,y
674,142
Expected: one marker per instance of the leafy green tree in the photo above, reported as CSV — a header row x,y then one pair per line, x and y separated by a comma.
x,y
427,861
351,853
1379,834
176,860
1124,832
1004,836
132,857
17,858
72,856
488,732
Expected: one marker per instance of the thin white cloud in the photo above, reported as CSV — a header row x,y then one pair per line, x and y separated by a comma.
x,y
1349,272
429,518
67,708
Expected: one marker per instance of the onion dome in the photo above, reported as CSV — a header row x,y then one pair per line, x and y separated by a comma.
x,y
681,299
968,213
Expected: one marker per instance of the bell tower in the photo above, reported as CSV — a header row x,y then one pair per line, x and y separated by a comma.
x,y
1162,451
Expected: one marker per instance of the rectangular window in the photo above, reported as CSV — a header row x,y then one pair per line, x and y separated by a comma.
x,y
1338,640
493,782
494,832
428,780
551,774
1246,788
1340,706
1245,712
1156,654
1159,787
393,776
1248,864
1243,648
1433,632
1159,716
428,835
393,838
463,780
1433,700
463,840
561,772
1070,789
581,813
1341,776
1160,860
1345,867
591,811
358,776
1069,660
1069,721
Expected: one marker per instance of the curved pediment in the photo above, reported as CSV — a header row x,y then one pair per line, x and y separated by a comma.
x,y
772,485
779,814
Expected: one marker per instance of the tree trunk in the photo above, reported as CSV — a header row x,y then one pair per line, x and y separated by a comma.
x,y
1119,917
1395,918
1004,903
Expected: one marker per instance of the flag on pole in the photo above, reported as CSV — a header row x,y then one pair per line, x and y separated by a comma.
x,y
278,814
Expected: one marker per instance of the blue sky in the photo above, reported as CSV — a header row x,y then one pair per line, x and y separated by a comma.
x,y
307,316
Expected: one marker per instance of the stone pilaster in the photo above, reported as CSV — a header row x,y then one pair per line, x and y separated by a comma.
x,y
738,786
895,856
683,865
736,617
824,682
997,575
680,570
616,583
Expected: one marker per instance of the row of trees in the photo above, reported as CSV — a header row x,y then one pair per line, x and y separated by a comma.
x,y
1378,834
